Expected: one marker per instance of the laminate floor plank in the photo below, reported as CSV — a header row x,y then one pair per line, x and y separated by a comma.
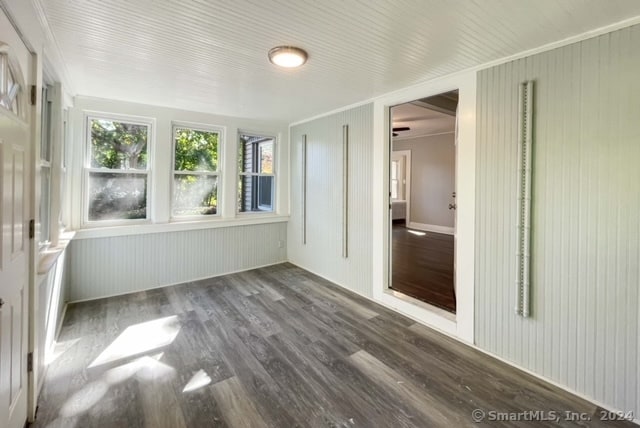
x,y
239,411
275,347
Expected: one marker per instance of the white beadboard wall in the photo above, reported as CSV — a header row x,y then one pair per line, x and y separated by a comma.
x,y
322,253
584,330
109,266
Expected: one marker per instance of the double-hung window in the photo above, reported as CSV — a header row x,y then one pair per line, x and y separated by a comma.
x,y
117,171
256,182
195,170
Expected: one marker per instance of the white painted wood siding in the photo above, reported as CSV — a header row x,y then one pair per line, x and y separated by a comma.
x,y
322,253
123,264
584,325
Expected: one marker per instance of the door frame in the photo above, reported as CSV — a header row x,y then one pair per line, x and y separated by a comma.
x,y
460,326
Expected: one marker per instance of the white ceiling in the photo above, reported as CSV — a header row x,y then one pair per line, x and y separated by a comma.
x,y
211,56
422,121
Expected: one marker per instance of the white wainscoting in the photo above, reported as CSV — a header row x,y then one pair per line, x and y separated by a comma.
x,y
108,266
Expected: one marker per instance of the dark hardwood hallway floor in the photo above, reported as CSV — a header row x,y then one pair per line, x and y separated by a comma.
x,y
423,266
274,347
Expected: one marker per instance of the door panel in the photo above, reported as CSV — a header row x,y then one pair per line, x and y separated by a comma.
x,y
15,61
14,274
17,189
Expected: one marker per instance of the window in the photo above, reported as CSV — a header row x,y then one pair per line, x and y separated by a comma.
x,y
256,183
45,168
195,171
399,165
10,90
394,179
118,169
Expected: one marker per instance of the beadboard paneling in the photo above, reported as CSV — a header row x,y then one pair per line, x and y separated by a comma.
x,y
117,265
584,328
322,253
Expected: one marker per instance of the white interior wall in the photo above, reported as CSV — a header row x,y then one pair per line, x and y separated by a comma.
x,y
137,257
433,166
114,265
322,253
585,269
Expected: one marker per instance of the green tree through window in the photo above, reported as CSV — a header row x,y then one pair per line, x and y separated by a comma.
x,y
118,170
195,190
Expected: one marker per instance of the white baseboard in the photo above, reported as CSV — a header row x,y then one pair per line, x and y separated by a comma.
x,y
432,228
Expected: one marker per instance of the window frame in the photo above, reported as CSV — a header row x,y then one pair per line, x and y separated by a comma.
x,y
220,130
87,169
45,163
273,174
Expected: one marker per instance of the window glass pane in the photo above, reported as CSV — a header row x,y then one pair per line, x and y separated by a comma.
x,y
266,157
117,196
196,150
9,89
118,145
255,193
255,154
195,195
45,203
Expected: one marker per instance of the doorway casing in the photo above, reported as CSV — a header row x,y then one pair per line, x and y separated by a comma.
x,y
462,326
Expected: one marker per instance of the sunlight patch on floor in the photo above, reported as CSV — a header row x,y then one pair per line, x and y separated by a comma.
x,y
147,368
199,380
415,232
140,338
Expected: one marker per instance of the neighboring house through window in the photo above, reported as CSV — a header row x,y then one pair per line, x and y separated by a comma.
x,y
256,184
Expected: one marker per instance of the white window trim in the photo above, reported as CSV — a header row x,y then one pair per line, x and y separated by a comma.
x,y
217,173
48,128
274,187
87,169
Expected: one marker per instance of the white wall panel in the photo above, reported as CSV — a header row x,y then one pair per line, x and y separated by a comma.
x,y
584,328
52,288
322,253
123,264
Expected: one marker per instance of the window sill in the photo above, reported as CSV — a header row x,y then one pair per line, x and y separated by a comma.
x,y
143,229
48,257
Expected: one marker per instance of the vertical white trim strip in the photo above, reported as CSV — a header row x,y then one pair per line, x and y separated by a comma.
x,y
304,189
523,255
345,191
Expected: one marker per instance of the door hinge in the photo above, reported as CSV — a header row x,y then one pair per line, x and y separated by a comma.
x,y
30,362
32,229
34,95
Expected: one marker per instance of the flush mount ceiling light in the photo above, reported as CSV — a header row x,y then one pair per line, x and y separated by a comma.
x,y
287,56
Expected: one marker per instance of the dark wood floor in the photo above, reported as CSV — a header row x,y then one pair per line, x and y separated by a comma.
x,y
423,266
274,347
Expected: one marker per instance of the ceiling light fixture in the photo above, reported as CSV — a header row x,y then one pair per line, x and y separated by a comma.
x,y
287,56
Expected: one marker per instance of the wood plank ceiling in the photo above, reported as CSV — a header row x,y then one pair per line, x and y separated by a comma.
x,y
211,56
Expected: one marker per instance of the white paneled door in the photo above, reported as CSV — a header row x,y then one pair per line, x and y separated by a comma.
x,y
14,135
